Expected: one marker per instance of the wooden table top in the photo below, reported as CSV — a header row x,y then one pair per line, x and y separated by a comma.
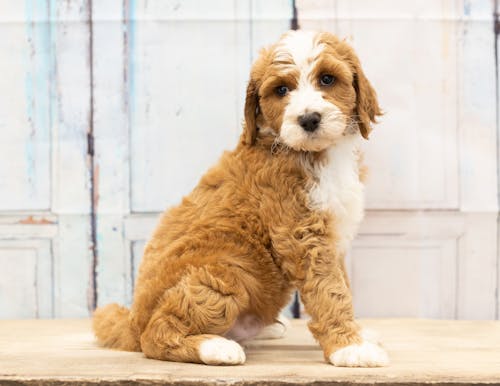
x,y
56,352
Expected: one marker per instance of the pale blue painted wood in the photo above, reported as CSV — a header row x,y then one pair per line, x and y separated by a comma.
x,y
44,170
111,131
25,117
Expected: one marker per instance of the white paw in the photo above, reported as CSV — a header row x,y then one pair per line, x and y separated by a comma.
x,y
276,330
220,351
366,354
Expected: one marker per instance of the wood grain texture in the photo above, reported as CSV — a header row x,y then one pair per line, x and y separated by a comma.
x,y
423,352
497,49
112,145
25,120
70,95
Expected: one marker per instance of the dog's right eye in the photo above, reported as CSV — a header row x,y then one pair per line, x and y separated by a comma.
x,y
281,90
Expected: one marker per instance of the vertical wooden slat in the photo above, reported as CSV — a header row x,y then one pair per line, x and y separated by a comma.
x,y
477,108
111,27
497,74
24,106
478,161
43,120
70,111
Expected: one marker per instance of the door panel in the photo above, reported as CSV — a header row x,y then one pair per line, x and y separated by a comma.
x,y
44,174
25,109
26,286
393,278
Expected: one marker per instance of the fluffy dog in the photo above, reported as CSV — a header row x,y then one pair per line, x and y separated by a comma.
x,y
276,214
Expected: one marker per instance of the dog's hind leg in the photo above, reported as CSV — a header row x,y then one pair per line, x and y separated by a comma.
x,y
190,318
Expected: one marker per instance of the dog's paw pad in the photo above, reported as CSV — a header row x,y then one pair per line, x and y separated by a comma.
x,y
365,354
220,351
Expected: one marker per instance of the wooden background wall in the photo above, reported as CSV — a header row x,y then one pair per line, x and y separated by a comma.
x,y
111,110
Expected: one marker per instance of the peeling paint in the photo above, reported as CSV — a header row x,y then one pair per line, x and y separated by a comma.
x,y
95,196
467,6
129,7
32,220
37,88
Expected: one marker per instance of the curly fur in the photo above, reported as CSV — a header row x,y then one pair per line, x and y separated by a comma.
x,y
250,233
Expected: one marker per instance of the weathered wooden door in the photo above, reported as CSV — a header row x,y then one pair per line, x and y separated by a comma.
x,y
110,111
105,120
45,244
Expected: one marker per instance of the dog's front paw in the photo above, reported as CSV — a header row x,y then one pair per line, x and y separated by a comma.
x,y
221,351
365,354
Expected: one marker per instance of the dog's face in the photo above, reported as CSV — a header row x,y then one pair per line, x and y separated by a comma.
x,y
308,90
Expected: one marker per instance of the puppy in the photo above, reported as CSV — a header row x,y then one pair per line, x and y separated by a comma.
x,y
276,214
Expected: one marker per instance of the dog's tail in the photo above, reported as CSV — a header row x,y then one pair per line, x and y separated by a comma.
x,y
112,328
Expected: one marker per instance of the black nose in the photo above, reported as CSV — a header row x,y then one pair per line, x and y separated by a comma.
x,y
310,121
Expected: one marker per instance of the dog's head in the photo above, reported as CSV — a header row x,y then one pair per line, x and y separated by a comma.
x,y
308,90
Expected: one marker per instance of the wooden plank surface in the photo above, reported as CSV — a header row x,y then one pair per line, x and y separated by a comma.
x,y
46,352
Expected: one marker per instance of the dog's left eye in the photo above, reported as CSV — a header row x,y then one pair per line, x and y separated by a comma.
x,y
281,90
326,79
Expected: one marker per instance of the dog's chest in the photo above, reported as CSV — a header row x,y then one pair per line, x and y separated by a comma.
x,y
338,190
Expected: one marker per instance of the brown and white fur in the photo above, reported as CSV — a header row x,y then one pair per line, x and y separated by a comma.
x,y
276,214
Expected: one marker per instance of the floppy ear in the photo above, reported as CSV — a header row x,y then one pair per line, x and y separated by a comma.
x,y
251,110
367,108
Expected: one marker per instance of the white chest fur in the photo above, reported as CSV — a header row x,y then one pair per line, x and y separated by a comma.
x,y
339,190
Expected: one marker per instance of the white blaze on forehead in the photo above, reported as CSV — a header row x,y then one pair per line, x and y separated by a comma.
x,y
300,46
